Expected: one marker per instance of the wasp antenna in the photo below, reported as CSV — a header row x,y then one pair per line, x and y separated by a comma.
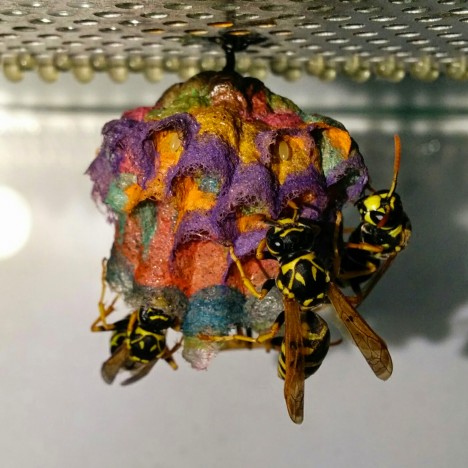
x,y
396,164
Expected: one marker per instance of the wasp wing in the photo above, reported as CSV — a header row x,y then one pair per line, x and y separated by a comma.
x,y
369,343
141,372
111,367
294,357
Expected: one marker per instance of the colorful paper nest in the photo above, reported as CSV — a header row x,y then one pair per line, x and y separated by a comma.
x,y
201,171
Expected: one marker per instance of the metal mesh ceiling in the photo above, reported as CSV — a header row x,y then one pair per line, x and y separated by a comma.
x,y
388,38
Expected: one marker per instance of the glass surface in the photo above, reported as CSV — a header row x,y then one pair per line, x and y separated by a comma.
x,y
57,412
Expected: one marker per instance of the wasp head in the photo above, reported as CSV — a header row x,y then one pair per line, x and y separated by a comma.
x,y
287,240
153,319
382,209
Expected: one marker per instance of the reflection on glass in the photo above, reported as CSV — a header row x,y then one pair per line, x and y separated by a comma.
x,y
15,215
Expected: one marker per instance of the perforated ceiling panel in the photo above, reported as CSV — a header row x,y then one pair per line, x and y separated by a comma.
x,y
387,38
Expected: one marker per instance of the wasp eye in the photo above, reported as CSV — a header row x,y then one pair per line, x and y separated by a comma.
x,y
376,216
276,245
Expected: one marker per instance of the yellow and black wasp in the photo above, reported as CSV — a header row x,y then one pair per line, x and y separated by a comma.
x,y
383,232
138,341
306,280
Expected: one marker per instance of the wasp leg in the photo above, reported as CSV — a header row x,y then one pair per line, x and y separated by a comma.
x,y
295,209
242,344
267,286
261,339
364,246
242,341
370,270
235,345
359,296
131,322
274,329
167,355
375,278
103,310
260,252
247,283
336,251
176,325
172,363
224,338
103,313
267,345
336,342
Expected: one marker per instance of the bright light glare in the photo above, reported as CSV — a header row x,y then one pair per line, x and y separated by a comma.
x,y
15,222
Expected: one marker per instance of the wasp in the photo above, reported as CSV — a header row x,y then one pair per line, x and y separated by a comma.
x,y
383,232
306,279
138,341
